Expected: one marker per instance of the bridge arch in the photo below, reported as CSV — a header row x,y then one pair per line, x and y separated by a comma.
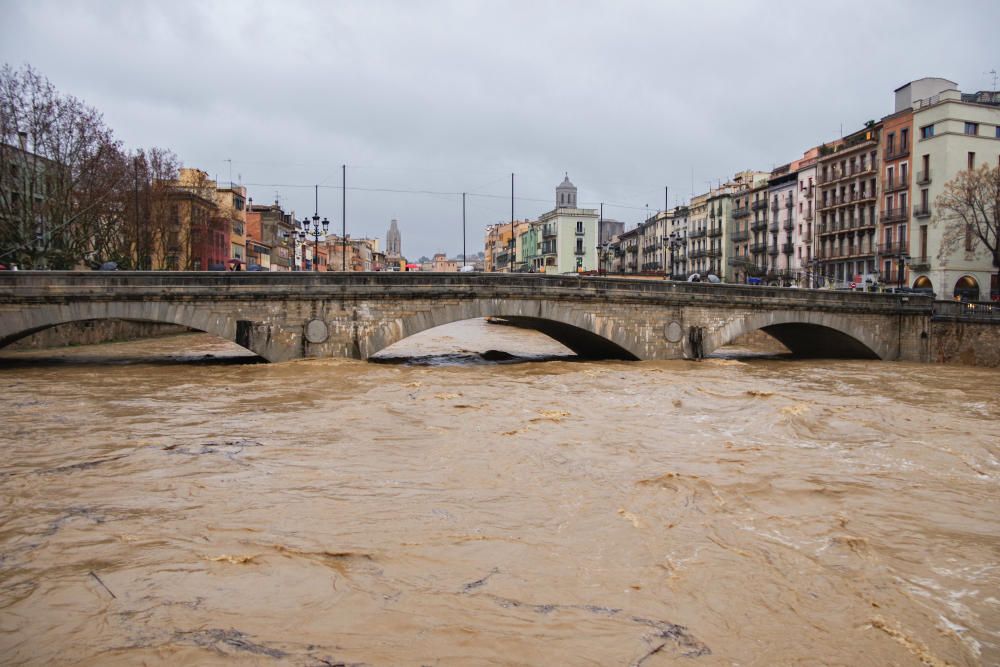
x,y
585,333
39,318
805,334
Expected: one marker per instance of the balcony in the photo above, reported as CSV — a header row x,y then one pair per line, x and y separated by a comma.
x,y
893,184
774,226
549,231
772,250
922,211
715,232
808,216
714,252
741,212
739,236
924,177
697,233
789,225
896,152
809,192
893,249
759,205
807,238
920,264
787,248
758,225
758,248
698,253
740,260
863,196
896,214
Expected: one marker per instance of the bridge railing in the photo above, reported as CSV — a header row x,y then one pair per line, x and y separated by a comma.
x,y
967,311
21,285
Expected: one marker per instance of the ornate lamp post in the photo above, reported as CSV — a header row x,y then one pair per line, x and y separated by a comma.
x,y
315,231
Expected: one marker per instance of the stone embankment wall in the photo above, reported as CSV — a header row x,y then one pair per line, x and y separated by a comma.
x,y
95,331
966,343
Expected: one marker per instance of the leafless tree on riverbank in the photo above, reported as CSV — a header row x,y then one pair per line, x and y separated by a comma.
x,y
970,207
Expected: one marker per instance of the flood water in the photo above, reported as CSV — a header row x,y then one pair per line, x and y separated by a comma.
x,y
165,503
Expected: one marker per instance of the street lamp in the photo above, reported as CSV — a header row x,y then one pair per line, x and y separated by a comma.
x,y
674,241
316,229
904,259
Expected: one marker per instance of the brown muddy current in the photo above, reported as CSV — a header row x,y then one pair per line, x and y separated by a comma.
x,y
165,503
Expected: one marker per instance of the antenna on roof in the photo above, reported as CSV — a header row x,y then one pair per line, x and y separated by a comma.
x,y
994,73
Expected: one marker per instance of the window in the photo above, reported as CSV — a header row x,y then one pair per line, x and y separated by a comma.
x,y
903,173
579,246
927,131
972,128
579,226
972,160
998,131
891,142
902,235
904,138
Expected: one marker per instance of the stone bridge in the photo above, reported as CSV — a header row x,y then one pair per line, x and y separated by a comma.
x,y
283,316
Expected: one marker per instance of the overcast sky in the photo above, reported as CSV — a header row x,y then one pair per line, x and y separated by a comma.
x,y
442,97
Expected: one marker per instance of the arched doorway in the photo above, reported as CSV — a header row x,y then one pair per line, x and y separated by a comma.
x,y
923,282
967,289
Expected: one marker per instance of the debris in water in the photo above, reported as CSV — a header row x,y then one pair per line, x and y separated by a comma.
x,y
103,585
479,582
759,393
496,355
550,415
234,639
235,560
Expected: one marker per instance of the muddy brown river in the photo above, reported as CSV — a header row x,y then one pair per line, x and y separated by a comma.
x,y
167,502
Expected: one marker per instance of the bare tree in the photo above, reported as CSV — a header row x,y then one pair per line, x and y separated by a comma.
x,y
54,160
970,207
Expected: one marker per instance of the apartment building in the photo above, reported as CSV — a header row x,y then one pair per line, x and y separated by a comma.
x,y
845,251
896,175
569,234
719,211
805,216
953,132
782,189
697,235
677,242
757,197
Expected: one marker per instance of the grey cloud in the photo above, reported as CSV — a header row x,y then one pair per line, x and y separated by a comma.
x,y
626,96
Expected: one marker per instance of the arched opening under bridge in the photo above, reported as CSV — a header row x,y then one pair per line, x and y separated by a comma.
x,y
117,341
499,340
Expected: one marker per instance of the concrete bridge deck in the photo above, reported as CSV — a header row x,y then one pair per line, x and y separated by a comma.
x,y
285,316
